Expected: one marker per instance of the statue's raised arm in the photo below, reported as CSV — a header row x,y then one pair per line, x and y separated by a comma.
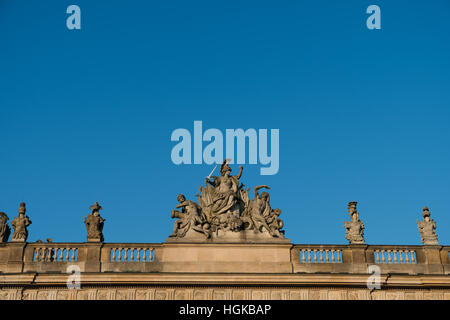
x,y
213,183
240,172
257,189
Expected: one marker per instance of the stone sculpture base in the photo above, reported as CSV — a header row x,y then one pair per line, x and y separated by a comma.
x,y
430,241
17,240
228,258
246,236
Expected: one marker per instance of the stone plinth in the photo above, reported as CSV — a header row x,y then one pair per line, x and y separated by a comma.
x,y
226,257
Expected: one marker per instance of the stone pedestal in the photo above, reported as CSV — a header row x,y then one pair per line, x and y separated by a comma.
x,y
433,260
91,256
226,257
15,257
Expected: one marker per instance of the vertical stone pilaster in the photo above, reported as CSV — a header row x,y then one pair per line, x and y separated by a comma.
x,y
151,294
15,257
92,256
358,258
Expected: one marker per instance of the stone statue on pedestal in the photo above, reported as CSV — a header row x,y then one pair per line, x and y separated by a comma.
x,y
354,228
20,224
5,230
94,224
224,211
427,228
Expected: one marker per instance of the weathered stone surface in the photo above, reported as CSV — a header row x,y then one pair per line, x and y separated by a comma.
x,y
20,225
355,227
5,230
236,258
427,228
243,293
94,224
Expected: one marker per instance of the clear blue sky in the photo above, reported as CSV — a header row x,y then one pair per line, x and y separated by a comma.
x,y
87,115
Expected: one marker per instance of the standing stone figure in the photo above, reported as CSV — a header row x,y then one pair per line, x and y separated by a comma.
x,y
5,230
20,224
260,209
427,228
94,224
354,228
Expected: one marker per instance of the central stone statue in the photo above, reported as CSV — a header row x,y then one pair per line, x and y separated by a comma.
x,y
225,212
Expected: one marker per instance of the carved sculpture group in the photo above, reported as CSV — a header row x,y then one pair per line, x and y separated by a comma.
x,y
224,207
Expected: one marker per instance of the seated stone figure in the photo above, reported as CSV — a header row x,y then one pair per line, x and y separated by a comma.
x,y
275,223
188,218
220,200
224,194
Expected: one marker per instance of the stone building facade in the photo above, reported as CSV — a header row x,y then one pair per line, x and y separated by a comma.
x,y
221,271
225,246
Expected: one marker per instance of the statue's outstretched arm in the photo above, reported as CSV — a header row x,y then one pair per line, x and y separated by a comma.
x,y
240,172
213,183
260,187
181,205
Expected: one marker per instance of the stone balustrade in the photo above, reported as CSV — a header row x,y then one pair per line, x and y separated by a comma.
x,y
356,258
395,255
55,254
320,254
149,257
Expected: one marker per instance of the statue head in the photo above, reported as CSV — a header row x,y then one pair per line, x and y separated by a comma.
x,y
426,214
352,210
22,209
265,196
3,216
95,208
225,168
181,198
